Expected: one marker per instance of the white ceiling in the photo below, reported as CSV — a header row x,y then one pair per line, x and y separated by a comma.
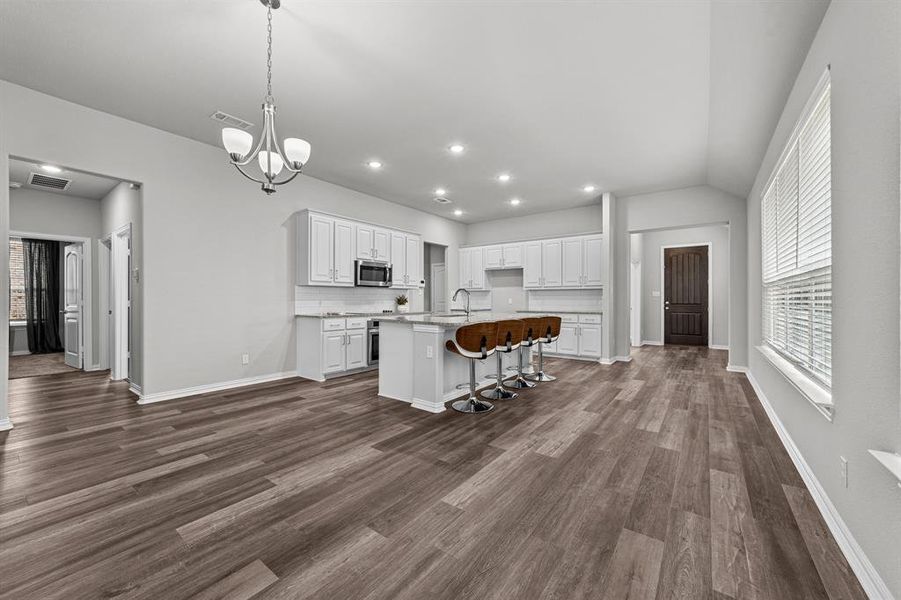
x,y
84,185
628,96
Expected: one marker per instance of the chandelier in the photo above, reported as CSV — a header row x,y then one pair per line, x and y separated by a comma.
x,y
271,158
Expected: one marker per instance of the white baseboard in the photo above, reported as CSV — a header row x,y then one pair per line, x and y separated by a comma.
x,y
135,389
866,573
738,369
211,387
718,347
610,361
651,343
19,353
5,424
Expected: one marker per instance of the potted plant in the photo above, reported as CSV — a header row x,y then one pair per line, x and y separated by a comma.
x,y
403,303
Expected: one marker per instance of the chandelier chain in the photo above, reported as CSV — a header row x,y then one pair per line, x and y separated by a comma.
x,y
269,98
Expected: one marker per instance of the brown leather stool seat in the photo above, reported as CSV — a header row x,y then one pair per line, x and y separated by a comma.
x,y
531,330
509,336
474,342
550,331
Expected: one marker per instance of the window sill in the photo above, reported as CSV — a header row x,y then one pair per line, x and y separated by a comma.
x,y
17,323
890,461
820,398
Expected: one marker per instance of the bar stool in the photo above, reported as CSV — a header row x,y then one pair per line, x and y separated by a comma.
x,y
550,331
530,333
475,342
509,336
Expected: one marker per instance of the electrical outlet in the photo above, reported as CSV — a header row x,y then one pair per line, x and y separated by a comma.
x,y
844,470
429,352
245,359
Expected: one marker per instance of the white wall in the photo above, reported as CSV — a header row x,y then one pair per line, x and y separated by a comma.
x,y
585,219
37,211
218,270
683,208
651,243
861,42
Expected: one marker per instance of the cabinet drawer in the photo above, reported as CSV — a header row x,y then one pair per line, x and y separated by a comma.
x,y
590,319
333,324
357,323
570,318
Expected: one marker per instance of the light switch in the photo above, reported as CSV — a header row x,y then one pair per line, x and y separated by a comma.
x,y
656,293
429,352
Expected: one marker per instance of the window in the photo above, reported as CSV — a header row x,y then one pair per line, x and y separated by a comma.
x,y
796,232
16,280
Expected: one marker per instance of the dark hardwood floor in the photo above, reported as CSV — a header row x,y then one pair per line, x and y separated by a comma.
x,y
661,478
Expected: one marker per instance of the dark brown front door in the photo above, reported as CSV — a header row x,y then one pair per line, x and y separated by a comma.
x,y
685,295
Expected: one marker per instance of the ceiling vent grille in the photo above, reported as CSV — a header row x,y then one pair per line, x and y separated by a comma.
x,y
230,120
442,200
45,181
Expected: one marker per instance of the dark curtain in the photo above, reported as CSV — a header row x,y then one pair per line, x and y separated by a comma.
x,y
42,291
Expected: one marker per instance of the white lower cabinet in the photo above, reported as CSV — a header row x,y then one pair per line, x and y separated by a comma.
x,y
330,346
580,335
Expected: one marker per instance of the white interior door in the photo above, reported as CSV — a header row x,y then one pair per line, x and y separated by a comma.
x,y
635,293
72,305
439,288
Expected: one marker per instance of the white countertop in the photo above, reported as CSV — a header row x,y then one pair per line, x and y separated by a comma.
x,y
563,312
454,320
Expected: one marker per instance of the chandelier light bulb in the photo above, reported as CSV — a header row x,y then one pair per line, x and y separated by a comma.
x,y
276,165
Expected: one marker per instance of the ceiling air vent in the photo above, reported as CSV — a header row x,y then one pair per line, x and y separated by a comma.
x,y
231,121
442,200
45,181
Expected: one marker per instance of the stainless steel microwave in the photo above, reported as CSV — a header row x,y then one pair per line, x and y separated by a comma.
x,y
372,273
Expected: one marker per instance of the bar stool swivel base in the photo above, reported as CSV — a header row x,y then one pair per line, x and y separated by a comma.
x,y
472,405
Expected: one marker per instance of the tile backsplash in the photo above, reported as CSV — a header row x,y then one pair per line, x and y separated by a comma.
x,y
587,300
309,299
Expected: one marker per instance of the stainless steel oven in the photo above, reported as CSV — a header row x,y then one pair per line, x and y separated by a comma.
x,y
372,273
372,343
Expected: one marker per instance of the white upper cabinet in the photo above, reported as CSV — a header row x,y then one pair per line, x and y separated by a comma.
x,y
531,266
398,259
365,238
414,260
382,244
321,257
512,256
551,263
494,257
572,262
344,253
594,261
472,268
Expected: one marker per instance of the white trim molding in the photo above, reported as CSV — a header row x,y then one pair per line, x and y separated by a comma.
x,y
737,369
718,347
651,343
210,387
889,460
615,359
820,398
866,573
20,353
5,424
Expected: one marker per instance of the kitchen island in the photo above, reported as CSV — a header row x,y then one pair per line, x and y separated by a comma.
x,y
414,366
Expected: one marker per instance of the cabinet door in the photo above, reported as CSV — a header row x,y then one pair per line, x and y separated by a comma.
x,y
414,260
478,269
512,256
365,242
590,340
494,257
333,354
344,253
594,261
572,262
382,244
551,263
531,266
321,250
355,349
398,259
465,267
568,342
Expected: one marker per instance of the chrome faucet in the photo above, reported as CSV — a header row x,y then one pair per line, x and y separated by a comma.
x,y
457,293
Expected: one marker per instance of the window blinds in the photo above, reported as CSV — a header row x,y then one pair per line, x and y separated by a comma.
x,y
796,239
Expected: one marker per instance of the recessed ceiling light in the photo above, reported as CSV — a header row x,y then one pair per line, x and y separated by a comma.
x,y
51,169
456,148
440,191
458,212
588,188
515,201
503,177
374,165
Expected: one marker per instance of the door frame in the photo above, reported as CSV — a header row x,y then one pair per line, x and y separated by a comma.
x,y
104,306
635,302
709,289
122,318
87,301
